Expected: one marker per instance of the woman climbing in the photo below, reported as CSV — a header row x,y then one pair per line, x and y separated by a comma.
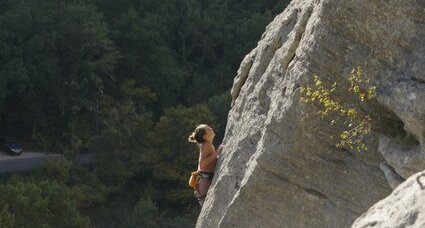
x,y
204,136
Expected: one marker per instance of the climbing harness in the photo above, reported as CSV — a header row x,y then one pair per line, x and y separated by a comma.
x,y
206,175
198,175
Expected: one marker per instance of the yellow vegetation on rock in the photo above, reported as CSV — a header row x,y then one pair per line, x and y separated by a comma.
x,y
356,124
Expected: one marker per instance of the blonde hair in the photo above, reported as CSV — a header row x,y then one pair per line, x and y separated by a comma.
x,y
197,136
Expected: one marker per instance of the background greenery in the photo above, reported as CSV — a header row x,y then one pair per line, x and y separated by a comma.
x,y
128,80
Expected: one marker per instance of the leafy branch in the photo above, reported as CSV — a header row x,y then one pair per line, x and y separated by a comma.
x,y
357,125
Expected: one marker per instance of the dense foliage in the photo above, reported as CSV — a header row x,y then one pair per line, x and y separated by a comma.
x,y
128,80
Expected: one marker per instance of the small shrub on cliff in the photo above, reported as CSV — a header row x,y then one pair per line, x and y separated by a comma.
x,y
357,124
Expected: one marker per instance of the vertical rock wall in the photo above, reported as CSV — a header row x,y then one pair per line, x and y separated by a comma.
x,y
280,167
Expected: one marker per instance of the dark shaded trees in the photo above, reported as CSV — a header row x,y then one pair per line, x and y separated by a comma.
x,y
38,204
129,80
55,59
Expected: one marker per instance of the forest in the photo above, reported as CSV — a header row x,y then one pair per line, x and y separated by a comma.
x,y
127,80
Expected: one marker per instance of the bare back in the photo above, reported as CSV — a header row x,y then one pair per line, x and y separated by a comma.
x,y
206,151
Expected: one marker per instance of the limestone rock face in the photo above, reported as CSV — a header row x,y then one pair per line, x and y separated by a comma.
x,y
405,207
280,166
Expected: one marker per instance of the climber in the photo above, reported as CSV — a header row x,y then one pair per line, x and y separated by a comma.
x,y
204,136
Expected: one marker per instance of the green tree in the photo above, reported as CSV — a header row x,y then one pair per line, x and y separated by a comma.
x,y
127,79
7,219
170,158
56,59
85,187
125,126
220,107
145,214
43,204
149,59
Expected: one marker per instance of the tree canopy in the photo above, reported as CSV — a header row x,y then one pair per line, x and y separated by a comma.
x,y
128,80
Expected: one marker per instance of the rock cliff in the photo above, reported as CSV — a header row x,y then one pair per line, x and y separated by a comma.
x,y
405,207
280,166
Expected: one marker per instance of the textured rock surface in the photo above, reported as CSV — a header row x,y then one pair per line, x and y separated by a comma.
x,y
280,168
405,207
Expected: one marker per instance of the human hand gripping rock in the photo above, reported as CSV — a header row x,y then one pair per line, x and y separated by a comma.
x,y
219,149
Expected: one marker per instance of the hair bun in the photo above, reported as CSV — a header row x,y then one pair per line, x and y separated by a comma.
x,y
197,135
192,138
